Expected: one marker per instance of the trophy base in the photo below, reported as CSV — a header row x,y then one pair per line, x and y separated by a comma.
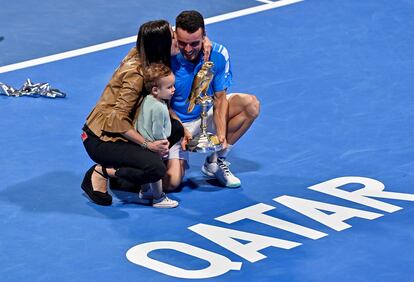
x,y
208,143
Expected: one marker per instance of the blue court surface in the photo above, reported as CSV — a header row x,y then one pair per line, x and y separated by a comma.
x,y
336,84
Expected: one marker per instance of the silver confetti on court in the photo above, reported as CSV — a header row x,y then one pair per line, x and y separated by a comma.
x,y
35,90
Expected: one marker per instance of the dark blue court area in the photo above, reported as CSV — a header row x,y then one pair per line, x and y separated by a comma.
x,y
336,84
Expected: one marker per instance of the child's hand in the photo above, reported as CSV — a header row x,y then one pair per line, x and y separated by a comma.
x,y
187,137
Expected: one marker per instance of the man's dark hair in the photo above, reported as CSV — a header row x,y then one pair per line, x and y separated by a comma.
x,y
190,21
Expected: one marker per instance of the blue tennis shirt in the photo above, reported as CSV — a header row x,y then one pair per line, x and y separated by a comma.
x,y
185,71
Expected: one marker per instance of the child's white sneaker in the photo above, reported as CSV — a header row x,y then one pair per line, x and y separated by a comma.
x,y
164,202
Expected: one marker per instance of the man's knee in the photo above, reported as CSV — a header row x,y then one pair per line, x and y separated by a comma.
x,y
252,106
245,104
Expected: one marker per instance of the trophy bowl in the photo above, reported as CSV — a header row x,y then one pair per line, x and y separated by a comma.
x,y
208,143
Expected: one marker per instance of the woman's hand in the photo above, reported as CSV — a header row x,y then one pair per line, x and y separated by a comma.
x,y
187,137
207,46
159,146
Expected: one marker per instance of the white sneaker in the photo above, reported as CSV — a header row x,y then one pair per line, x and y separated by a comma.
x,y
164,203
221,171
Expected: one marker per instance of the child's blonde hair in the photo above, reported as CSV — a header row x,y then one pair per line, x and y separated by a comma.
x,y
153,73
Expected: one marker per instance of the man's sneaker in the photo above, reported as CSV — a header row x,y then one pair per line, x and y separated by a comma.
x,y
164,203
220,170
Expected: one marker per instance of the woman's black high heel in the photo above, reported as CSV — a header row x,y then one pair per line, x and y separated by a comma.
x,y
100,198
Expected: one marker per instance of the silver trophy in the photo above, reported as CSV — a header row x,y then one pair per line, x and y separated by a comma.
x,y
204,142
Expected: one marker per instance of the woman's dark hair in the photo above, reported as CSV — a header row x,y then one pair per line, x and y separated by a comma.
x,y
190,21
154,42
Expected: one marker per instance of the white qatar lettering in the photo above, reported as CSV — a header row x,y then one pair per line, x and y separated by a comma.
x,y
218,264
372,188
256,213
225,238
335,220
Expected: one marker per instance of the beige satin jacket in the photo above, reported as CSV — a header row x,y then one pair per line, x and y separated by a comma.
x,y
118,105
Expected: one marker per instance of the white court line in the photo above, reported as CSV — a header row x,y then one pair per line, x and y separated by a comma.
x,y
265,1
132,39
